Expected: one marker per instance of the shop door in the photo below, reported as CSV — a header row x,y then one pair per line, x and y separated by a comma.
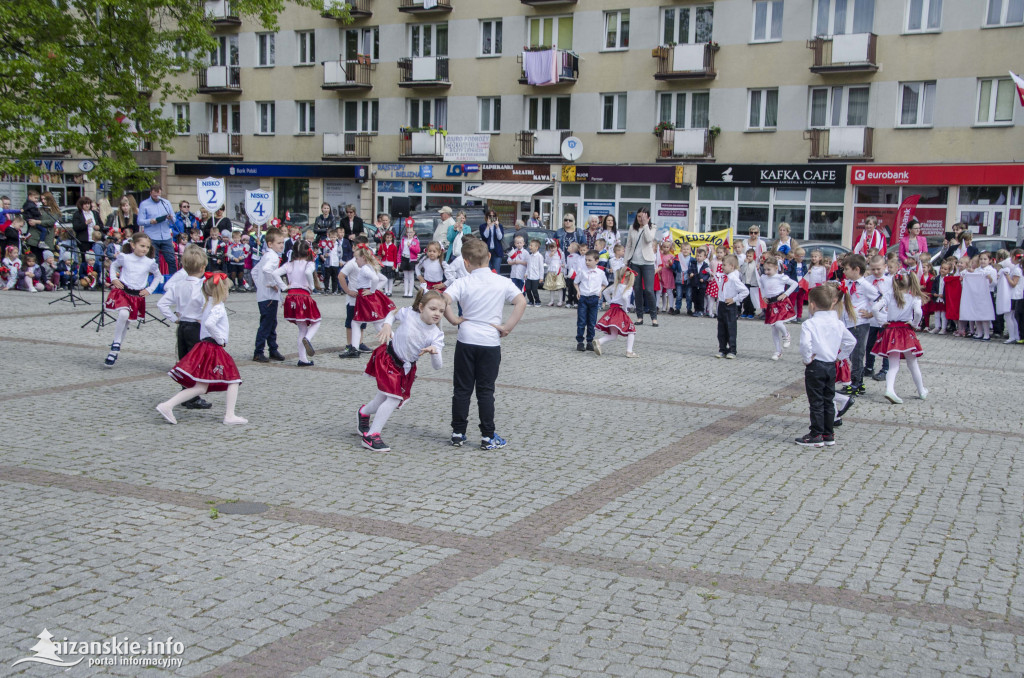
x,y
715,218
984,220
569,206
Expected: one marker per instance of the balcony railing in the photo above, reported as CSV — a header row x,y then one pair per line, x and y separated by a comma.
x,y
347,146
693,144
686,62
541,144
221,13
425,6
357,9
421,145
567,68
220,145
429,71
350,74
216,79
844,53
851,143
543,3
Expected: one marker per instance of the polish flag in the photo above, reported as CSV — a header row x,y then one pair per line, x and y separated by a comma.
x,y
1019,81
835,265
804,285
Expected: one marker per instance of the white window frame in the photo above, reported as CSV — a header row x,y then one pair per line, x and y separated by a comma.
x,y
847,29
226,51
1004,11
492,115
266,50
619,111
305,42
493,29
844,106
271,108
227,114
771,8
688,112
556,102
422,30
371,32
554,28
432,106
926,10
925,105
305,118
997,83
367,118
761,95
691,36
617,17
182,119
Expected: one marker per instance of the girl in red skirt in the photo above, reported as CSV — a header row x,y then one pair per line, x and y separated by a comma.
x,y
616,321
393,363
372,305
430,268
938,298
299,307
130,285
208,367
898,340
776,289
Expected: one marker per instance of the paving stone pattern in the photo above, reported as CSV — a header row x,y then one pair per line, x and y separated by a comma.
x,y
649,517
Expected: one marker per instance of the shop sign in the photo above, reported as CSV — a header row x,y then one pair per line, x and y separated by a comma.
x,y
400,171
462,170
624,174
444,187
938,175
789,176
516,172
221,169
50,165
597,208
467,147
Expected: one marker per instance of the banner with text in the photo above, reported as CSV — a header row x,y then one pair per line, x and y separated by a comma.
x,y
714,239
467,147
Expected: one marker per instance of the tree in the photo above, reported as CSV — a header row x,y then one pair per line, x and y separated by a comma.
x,y
93,76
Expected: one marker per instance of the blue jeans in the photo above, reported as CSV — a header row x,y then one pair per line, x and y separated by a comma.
x,y
586,317
680,293
495,263
520,284
267,333
166,250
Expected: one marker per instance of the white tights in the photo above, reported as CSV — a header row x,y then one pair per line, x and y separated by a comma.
x,y
894,368
983,328
357,331
121,326
382,406
940,321
389,286
556,297
615,333
307,330
200,389
839,402
779,333
1012,331
408,283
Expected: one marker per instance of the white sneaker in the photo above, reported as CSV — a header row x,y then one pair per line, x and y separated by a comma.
x,y
923,394
785,342
730,356
776,356
893,398
719,355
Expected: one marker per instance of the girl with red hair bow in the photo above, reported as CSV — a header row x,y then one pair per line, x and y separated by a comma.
x,y
299,306
372,305
616,321
902,313
130,285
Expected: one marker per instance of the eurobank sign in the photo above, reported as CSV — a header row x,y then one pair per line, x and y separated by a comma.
x,y
937,175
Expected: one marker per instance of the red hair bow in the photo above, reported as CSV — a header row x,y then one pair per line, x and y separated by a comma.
x,y
363,246
629,270
216,276
843,288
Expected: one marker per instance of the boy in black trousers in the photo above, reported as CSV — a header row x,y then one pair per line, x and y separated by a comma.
x,y
698,276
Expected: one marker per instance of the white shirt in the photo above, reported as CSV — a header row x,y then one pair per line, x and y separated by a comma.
x,y
300,275
455,270
430,269
615,263
574,265
553,262
910,313
816,275
824,337
263,277
534,265
883,285
412,336
214,324
733,288
483,295
134,271
623,295
774,285
864,295
348,270
591,281
1017,291
517,259
366,277
185,297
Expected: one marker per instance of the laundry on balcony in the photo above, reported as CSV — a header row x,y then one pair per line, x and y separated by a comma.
x,y
549,66
429,4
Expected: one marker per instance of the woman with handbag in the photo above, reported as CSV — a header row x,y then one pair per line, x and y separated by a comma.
x,y
641,257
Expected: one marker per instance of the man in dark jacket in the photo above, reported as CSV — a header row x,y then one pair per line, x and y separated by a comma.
x,y
352,226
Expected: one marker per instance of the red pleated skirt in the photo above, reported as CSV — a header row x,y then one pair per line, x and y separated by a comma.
x,y
898,338
843,372
207,363
779,311
299,305
389,373
135,304
371,308
616,317
432,285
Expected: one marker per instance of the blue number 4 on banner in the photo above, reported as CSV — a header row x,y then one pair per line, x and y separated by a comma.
x,y
258,210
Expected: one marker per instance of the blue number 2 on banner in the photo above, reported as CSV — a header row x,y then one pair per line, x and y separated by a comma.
x,y
211,197
258,210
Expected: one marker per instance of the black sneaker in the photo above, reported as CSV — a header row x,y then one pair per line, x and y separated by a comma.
x,y
373,442
829,440
590,346
868,371
579,346
276,355
811,441
260,358
363,348
350,352
861,390
848,390
458,439
363,422
197,403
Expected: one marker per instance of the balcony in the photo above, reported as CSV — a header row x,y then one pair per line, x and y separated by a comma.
x,y
421,145
220,80
350,74
221,14
841,143
686,62
347,146
566,67
844,53
541,144
220,145
357,9
424,72
546,3
425,6
686,144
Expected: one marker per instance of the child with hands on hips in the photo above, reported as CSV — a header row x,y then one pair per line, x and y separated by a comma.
x,y
299,306
129,275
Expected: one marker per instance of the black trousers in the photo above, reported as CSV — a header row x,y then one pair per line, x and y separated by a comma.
x,y
1018,312
820,383
476,368
532,296
643,292
698,299
188,336
748,302
869,357
331,283
569,293
266,335
727,315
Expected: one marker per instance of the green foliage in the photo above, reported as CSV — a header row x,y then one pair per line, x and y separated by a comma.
x,y
93,77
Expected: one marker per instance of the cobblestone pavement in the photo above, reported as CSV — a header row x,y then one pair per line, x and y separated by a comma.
x,y
649,517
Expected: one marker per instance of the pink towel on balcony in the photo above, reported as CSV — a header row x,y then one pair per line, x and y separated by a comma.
x,y
541,68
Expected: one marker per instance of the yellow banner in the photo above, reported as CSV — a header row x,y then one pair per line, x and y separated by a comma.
x,y
723,237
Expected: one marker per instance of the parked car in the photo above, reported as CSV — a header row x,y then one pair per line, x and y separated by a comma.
x,y
297,219
983,243
426,222
828,249
541,234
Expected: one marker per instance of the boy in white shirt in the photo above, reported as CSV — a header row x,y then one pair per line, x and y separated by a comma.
x,y
268,297
534,273
881,279
590,283
182,304
864,295
730,298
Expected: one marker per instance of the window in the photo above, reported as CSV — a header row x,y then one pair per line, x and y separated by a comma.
x,y
182,118
764,109
616,29
686,24
360,116
924,15
550,31
1004,13
839,106
364,41
613,112
427,112
490,37
266,117
917,100
265,49
307,47
428,40
226,51
224,118
547,113
490,114
306,114
685,110
767,21
995,101
841,17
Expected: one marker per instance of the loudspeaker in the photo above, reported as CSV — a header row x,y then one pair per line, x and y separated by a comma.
x,y
399,207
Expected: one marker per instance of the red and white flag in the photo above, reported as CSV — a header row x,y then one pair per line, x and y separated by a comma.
x,y
903,215
1019,81
835,265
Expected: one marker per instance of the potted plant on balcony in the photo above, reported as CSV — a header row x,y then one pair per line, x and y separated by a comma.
x,y
662,126
714,131
664,131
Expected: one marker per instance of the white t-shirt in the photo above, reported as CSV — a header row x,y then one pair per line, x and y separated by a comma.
x,y
483,295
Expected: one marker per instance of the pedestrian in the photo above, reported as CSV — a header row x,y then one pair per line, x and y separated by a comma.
x,y
268,296
371,306
182,304
554,280
731,296
898,340
589,282
863,295
324,222
155,218
491,233
410,252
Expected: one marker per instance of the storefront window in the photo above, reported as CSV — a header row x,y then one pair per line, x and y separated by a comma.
x,y
755,194
627,212
930,195
826,223
599,192
790,195
635,192
752,215
983,195
717,193
571,190
666,192
794,215
826,195
877,195
293,197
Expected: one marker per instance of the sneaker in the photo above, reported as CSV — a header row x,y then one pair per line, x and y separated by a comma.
x,y
829,440
597,348
776,356
260,358
868,371
719,355
309,347
362,422
350,352
197,403
880,376
923,394
893,398
861,390
305,364
786,343
458,439
580,347
590,346
493,443
848,390
363,348
837,422
730,356
810,441
276,355
373,442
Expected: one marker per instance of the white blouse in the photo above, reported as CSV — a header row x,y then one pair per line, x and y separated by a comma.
x,y
300,275
365,278
623,295
430,269
214,324
774,285
412,336
133,271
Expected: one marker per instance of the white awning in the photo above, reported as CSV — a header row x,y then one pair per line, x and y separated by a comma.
x,y
516,192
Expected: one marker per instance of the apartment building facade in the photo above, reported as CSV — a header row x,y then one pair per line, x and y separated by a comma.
x,y
713,114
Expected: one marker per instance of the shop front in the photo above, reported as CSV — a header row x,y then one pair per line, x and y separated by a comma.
x,y
516,191
403,189
807,197
66,179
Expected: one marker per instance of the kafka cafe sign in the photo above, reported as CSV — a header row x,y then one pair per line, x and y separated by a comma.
x,y
780,176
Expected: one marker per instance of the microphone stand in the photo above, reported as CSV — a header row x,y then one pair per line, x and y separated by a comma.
x,y
101,318
71,296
